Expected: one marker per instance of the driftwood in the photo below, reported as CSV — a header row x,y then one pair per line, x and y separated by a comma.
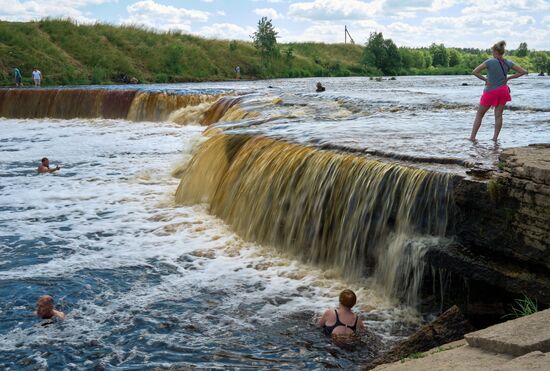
x,y
448,327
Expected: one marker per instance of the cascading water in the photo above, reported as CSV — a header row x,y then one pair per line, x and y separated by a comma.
x,y
131,105
339,211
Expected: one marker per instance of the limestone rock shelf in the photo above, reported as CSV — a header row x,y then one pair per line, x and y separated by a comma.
x,y
501,225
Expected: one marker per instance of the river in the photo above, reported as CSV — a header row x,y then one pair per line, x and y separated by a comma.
x,y
147,282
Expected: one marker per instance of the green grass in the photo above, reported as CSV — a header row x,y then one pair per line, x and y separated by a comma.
x,y
68,53
523,307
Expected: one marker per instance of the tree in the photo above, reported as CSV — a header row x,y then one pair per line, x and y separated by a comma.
x,y
427,59
522,50
407,57
265,39
382,54
539,60
392,64
454,58
440,56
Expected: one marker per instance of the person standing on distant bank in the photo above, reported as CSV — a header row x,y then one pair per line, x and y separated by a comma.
x,y
18,77
238,72
496,92
36,76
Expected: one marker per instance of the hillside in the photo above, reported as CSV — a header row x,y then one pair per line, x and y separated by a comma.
x,y
81,54
70,54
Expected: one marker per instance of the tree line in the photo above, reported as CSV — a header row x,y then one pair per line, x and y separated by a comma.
x,y
382,57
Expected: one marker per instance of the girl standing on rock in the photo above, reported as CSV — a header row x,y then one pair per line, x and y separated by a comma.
x,y
496,92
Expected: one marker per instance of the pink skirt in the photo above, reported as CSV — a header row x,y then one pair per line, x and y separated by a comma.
x,y
496,97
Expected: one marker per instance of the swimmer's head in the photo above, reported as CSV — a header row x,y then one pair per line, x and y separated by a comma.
x,y
44,306
348,298
45,161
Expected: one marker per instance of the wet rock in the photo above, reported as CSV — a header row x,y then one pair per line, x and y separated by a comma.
x,y
502,225
464,84
448,327
25,362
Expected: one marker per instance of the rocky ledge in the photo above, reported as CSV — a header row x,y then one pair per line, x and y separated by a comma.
x,y
520,344
502,232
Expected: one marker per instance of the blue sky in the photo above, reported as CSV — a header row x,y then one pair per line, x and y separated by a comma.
x,y
469,23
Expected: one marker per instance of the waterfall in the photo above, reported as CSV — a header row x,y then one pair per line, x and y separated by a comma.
x,y
336,210
130,105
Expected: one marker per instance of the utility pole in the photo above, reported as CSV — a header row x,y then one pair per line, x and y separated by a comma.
x,y
346,34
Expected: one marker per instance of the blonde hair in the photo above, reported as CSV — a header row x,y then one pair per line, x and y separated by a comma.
x,y
499,47
348,298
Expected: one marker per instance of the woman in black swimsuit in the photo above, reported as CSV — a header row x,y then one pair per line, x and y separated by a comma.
x,y
342,321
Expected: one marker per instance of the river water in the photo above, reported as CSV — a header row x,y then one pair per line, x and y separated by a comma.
x,y
147,283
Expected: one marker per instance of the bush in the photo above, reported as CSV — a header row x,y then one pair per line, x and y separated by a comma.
x,y
99,75
161,78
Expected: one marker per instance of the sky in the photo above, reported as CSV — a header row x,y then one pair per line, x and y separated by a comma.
x,y
456,23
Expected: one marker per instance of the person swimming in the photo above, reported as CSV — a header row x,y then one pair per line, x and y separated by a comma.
x,y
45,167
45,309
320,88
342,321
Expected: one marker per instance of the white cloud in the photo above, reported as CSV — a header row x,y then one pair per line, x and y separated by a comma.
x,y
334,9
489,6
21,10
163,17
267,12
228,31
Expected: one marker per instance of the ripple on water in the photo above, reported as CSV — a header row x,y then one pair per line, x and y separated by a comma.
x,y
146,283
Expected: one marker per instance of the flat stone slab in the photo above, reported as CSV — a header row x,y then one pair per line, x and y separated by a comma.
x,y
466,358
529,362
516,337
457,356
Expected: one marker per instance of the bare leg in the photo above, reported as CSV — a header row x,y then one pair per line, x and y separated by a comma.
x,y
481,111
499,110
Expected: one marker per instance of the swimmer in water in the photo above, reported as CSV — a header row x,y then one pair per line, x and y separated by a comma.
x,y
342,321
45,167
45,309
320,88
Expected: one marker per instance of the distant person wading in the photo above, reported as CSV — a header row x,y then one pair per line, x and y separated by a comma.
x,y
496,92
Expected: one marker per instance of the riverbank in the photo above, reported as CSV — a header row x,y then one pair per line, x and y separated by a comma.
x,y
71,54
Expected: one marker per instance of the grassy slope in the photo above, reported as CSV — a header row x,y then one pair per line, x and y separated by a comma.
x,y
71,54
